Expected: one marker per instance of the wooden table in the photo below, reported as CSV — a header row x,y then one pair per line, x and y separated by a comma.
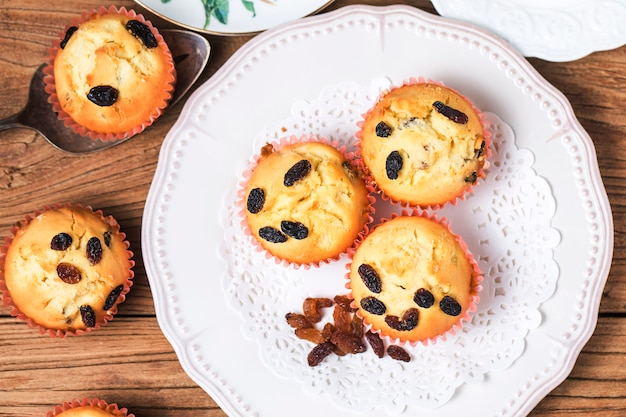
x,y
129,361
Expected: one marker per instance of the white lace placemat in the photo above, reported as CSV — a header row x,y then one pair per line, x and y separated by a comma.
x,y
505,223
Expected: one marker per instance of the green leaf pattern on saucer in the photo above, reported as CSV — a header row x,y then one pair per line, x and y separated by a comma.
x,y
219,9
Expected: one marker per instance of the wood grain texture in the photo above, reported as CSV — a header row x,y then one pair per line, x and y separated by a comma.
x,y
129,361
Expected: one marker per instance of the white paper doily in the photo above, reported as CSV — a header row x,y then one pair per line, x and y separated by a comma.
x,y
506,225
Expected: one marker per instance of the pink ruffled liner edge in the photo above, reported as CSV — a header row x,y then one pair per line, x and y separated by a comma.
x,y
241,194
475,286
56,333
50,88
111,408
469,190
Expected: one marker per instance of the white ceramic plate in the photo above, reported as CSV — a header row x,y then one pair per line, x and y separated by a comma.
x,y
554,30
543,189
232,17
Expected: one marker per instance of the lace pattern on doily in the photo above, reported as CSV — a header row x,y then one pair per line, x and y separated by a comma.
x,y
505,223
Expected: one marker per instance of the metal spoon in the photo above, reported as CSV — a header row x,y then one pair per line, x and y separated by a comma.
x,y
191,54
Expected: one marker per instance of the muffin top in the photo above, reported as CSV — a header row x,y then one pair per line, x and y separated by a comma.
x,y
85,411
305,203
66,268
423,144
411,279
111,74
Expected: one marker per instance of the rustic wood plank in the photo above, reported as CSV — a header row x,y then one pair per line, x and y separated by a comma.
x,y
129,362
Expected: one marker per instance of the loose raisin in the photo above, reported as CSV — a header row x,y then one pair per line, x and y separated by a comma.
x,y
377,344
342,319
471,178
112,297
370,278
455,115
256,200
424,298
103,95
320,352
68,34
107,239
373,305
311,334
94,250
272,235
61,241
356,326
88,315
393,165
383,130
297,172
347,343
407,323
311,307
298,321
295,230
345,303
68,273
142,32
328,330
398,353
450,306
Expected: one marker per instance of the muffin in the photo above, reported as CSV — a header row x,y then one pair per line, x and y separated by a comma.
x,y
304,202
423,144
412,279
111,74
66,269
88,408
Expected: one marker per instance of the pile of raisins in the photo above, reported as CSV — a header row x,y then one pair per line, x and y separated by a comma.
x,y
345,334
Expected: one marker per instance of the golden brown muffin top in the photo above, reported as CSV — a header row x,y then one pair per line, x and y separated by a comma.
x,y
423,144
411,278
103,57
85,411
66,268
305,202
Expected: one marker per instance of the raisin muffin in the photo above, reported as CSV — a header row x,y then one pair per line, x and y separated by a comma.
x,y
66,269
423,144
111,74
304,201
87,411
412,279
88,408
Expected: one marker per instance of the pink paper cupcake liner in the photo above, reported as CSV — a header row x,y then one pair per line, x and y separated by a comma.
x,y
111,408
49,81
57,333
475,284
373,187
277,145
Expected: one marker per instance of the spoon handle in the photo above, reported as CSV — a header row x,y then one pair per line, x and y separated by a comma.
x,y
11,122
